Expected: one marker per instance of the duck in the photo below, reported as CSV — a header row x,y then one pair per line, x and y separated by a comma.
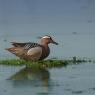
x,y
31,51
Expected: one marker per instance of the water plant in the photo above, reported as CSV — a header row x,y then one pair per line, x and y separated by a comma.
x,y
45,63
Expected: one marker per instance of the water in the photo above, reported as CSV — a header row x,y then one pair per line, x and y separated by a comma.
x,y
71,80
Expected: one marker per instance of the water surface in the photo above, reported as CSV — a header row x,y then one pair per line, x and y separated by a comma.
x,y
70,80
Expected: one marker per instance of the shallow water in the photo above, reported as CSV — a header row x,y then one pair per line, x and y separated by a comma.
x,y
71,80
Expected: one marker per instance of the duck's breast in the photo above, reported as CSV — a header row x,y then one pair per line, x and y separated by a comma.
x,y
45,53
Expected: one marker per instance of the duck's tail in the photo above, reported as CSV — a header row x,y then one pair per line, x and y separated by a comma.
x,y
14,50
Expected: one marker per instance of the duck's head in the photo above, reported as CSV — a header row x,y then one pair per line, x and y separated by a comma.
x,y
47,40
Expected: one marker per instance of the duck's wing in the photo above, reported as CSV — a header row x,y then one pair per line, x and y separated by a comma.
x,y
27,51
16,44
34,50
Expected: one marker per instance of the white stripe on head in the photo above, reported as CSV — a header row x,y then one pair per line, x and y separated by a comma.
x,y
46,37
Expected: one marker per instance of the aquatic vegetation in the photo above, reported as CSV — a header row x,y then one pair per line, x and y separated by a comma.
x,y
46,63
41,64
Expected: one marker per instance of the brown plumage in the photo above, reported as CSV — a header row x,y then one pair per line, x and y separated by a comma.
x,y
32,51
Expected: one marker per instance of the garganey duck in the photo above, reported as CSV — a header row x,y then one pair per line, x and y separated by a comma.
x,y
32,51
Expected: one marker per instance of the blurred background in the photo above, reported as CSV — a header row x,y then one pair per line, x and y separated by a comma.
x,y
70,22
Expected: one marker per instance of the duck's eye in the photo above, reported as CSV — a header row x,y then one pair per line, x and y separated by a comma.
x,y
50,38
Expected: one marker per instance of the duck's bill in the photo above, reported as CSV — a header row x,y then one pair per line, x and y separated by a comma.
x,y
55,43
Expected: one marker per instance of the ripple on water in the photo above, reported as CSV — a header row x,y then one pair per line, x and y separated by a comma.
x,y
77,92
68,89
92,88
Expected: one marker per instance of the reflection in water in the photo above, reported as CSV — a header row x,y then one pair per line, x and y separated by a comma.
x,y
32,78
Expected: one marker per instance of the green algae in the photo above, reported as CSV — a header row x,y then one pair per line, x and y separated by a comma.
x,y
41,64
46,63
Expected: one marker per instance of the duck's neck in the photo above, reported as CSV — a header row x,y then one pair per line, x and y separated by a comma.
x,y
45,44
46,47
45,51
